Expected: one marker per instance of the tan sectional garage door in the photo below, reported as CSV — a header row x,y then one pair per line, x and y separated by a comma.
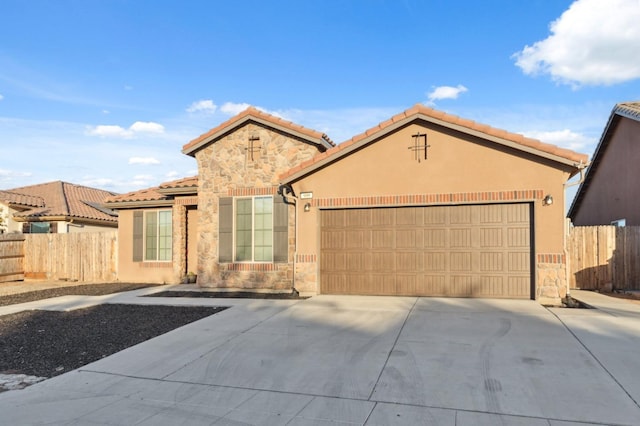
x,y
458,251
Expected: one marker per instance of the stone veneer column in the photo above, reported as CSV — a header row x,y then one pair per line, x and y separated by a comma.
x,y
551,273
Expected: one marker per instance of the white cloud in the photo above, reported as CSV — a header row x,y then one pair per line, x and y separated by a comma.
x,y
594,42
564,138
9,174
1,97
231,108
146,127
172,174
109,131
121,132
446,92
205,105
143,160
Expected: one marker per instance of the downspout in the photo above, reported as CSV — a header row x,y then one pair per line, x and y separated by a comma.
x,y
581,168
282,191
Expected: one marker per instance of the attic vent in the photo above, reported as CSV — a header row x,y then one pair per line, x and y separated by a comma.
x,y
419,146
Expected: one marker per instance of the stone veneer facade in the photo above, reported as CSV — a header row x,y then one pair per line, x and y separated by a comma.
x,y
551,277
226,168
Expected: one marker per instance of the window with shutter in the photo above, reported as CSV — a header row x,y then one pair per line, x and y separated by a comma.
x,y
138,226
280,230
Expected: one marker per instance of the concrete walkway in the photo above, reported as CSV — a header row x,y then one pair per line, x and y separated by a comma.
x,y
354,360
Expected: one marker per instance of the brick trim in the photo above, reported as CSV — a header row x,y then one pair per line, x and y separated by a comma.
x,y
558,258
306,258
243,192
260,267
186,201
426,199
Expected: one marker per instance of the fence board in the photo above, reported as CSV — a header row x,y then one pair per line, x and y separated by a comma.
x,y
86,257
11,257
604,257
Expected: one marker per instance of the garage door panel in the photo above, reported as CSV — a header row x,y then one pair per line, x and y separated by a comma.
x,y
382,238
461,251
383,261
518,237
491,237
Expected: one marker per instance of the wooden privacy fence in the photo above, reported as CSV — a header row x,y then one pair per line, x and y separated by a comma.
x,y
87,257
604,257
11,257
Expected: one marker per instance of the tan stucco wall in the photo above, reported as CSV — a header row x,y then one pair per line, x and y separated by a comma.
x,y
456,164
147,272
225,169
614,189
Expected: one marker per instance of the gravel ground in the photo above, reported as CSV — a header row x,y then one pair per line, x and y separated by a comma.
x,y
80,290
46,344
35,345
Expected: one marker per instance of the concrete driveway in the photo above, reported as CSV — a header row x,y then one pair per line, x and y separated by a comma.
x,y
359,360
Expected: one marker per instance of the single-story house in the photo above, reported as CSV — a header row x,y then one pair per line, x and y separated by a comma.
x,y
425,203
55,207
610,191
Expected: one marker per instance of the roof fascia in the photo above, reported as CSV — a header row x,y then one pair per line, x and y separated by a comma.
x,y
188,190
138,204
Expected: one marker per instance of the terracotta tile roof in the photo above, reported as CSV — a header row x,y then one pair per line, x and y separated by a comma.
x,y
154,193
62,199
445,119
188,182
21,200
249,113
630,110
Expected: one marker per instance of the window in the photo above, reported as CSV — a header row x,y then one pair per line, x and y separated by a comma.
x,y
619,222
152,236
254,229
39,227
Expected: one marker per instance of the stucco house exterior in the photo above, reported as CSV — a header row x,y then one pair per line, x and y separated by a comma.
x,y
425,203
55,207
610,191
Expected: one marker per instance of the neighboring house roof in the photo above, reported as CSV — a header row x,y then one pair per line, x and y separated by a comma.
x,y
253,114
156,196
21,201
630,110
60,200
450,121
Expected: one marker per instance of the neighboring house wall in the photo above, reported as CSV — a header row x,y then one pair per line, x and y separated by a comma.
x,y
614,190
460,169
227,171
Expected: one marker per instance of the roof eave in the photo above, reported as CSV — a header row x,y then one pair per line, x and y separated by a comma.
x,y
119,205
214,136
178,191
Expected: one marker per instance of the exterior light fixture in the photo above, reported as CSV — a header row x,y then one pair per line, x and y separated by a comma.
x,y
307,207
547,200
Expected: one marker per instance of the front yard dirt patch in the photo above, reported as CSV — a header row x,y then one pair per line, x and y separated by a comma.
x,y
76,290
46,344
227,295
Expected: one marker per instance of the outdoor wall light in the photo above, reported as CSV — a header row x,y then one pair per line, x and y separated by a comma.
x,y
307,207
547,200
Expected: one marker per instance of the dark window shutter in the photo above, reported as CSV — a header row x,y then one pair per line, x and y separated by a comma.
x,y
53,227
280,230
138,227
225,228
26,228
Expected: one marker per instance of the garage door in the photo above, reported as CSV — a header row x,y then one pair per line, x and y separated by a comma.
x,y
458,251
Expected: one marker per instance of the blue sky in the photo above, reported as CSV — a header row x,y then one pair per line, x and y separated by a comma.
x,y
105,93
